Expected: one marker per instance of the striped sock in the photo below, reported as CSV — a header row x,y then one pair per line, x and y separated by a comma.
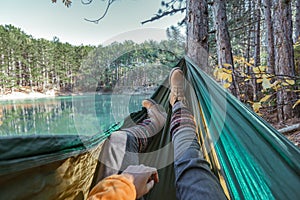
x,y
182,118
143,131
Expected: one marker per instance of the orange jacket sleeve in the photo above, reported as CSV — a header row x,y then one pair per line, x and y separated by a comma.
x,y
115,187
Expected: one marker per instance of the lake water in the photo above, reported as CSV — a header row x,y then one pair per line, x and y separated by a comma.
x,y
88,114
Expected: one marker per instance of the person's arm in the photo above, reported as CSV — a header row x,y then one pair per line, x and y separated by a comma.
x,y
114,187
133,183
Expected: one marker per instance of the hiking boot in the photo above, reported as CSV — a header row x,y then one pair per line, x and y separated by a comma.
x,y
176,80
156,113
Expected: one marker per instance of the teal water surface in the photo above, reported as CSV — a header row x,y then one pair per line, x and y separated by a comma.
x,y
87,114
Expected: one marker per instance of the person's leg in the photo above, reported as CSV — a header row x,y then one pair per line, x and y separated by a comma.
x,y
194,179
122,147
144,131
114,151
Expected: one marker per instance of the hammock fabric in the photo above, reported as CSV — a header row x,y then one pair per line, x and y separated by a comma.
x,y
251,159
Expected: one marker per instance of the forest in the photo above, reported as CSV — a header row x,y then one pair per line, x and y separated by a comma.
x,y
251,47
29,64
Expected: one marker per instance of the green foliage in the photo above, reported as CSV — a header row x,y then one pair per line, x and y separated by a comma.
x,y
66,2
259,77
107,66
30,64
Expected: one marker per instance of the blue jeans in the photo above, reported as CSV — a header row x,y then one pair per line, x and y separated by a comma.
x,y
194,179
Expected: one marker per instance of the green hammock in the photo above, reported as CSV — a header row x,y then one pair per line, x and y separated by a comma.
x,y
251,159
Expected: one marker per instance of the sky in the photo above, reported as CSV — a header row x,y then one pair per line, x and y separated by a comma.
x,y
44,19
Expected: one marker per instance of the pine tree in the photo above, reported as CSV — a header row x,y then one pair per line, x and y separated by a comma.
x,y
284,55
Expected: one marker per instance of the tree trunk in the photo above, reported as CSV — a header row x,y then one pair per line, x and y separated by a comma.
x,y
257,35
297,24
248,38
270,36
257,48
284,54
222,34
30,79
197,33
223,40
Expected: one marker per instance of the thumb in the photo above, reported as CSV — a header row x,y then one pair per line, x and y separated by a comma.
x,y
150,185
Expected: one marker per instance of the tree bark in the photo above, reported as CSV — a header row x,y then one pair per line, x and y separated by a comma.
x,y
257,48
222,33
284,54
197,32
297,24
270,36
249,30
223,40
257,35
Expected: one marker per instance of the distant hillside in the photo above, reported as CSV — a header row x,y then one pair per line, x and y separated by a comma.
x,y
28,64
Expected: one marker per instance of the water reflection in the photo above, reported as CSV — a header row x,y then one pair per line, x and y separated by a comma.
x,y
66,115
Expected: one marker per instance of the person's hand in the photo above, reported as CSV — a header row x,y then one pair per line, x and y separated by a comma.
x,y
143,178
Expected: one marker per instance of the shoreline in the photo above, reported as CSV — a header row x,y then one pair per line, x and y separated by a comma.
x,y
38,95
23,95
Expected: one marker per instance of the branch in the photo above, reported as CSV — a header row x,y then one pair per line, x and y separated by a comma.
x,y
211,3
156,17
96,21
235,29
212,31
245,25
275,75
290,128
86,2
182,21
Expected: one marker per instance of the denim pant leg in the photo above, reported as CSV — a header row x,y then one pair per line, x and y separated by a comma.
x,y
194,179
131,152
119,151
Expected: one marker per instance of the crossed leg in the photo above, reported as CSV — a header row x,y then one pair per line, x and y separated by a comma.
x,y
122,147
